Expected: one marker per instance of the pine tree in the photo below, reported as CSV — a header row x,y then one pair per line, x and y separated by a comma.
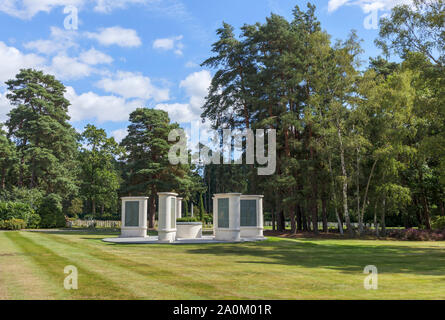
x,y
38,124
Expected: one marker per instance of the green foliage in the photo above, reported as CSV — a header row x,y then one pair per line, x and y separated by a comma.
x,y
46,143
12,224
32,197
8,158
147,167
188,219
100,179
415,28
76,207
207,219
438,223
50,211
17,210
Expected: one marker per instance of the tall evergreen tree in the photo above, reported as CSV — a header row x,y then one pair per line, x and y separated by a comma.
x,y
38,125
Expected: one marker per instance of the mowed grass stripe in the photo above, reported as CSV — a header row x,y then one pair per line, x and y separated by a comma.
x,y
20,278
161,281
96,286
255,283
145,283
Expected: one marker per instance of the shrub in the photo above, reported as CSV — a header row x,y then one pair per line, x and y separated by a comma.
x,y
12,224
418,235
208,219
32,197
438,223
50,211
188,219
18,210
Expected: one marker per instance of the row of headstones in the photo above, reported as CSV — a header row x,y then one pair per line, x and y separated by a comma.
x,y
235,216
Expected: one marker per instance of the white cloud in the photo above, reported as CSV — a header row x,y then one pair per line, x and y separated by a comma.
x,y
59,42
5,107
26,9
93,57
196,86
116,36
178,112
106,6
367,5
91,106
67,68
167,44
191,64
119,134
62,64
12,60
133,85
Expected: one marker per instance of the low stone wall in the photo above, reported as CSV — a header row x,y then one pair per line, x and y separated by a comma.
x,y
188,230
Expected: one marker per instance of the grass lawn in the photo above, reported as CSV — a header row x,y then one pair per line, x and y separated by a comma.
x,y
32,264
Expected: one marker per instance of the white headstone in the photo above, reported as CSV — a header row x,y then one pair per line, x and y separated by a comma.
x,y
134,217
226,216
251,216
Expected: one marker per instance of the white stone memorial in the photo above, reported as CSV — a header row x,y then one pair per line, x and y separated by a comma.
x,y
188,230
167,217
134,217
251,216
179,208
226,216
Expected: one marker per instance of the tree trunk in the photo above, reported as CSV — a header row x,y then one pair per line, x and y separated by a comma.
x,y
426,213
334,197
293,226
314,207
376,226
366,191
309,219
345,182
93,207
382,218
152,212
280,221
359,216
299,218
273,220
305,225
324,214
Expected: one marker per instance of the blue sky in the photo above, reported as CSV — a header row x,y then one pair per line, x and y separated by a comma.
x,y
130,53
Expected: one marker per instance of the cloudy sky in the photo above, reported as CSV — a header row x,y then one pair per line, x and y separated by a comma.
x,y
131,53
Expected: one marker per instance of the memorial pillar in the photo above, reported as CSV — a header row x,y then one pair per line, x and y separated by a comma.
x,y
134,217
167,216
179,208
226,216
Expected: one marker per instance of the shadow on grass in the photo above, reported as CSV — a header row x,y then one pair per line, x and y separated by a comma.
x,y
337,256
